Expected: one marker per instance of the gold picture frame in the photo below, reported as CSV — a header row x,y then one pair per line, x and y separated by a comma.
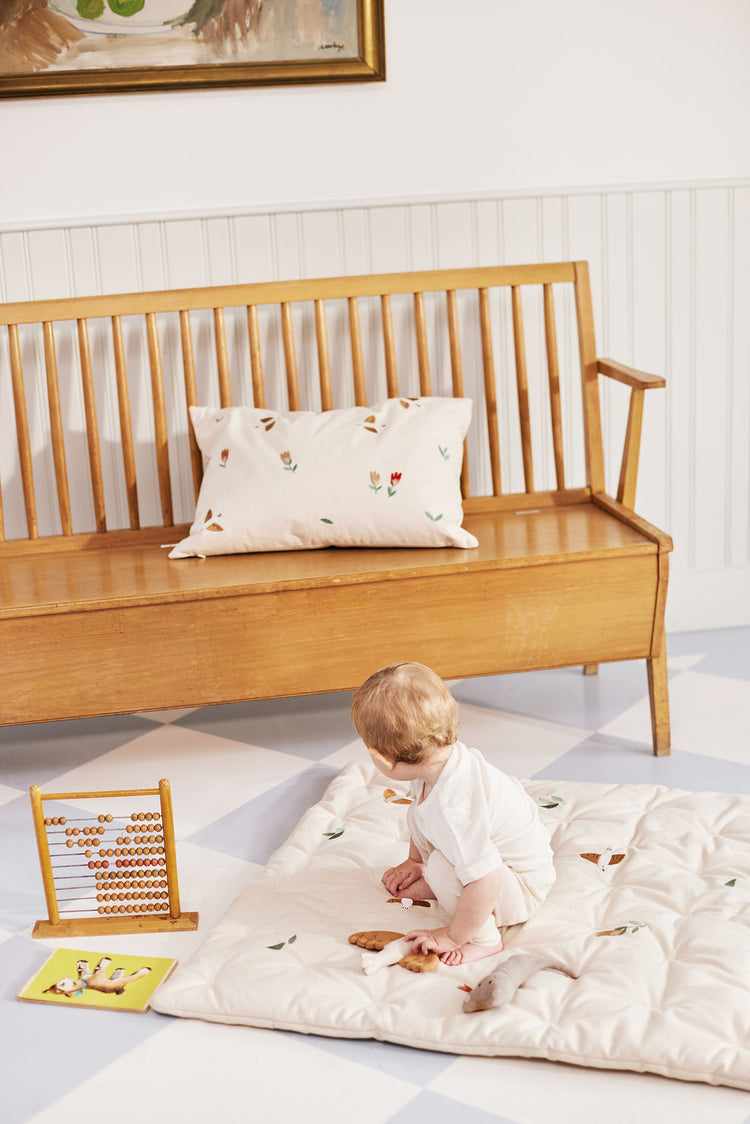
x,y
119,46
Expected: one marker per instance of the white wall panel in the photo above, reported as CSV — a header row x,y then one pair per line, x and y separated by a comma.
x,y
670,271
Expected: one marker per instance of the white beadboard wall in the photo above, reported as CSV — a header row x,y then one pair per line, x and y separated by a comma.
x,y
670,268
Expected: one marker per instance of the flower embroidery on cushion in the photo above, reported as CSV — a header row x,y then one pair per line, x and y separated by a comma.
x,y
375,481
286,459
224,458
395,481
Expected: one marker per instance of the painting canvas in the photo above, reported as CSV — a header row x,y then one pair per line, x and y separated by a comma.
x,y
101,46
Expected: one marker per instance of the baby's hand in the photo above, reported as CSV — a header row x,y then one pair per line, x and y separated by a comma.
x,y
432,940
400,877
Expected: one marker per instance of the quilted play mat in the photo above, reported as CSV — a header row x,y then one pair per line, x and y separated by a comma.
x,y
651,911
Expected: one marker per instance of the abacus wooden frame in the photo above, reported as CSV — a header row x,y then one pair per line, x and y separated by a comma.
x,y
55,926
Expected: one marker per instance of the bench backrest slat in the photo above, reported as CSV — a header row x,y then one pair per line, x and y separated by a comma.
x,y
490,390
161,432
389,344
553,373
92,427
324,358
22,431
56,428
191,395
139,361
126,425
358,362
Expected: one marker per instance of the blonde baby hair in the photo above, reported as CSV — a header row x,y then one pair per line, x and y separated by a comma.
x,y
405,712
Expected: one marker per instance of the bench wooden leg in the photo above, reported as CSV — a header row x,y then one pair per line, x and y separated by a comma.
x,y
659,700
591,669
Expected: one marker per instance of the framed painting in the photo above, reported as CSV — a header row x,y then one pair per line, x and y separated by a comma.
x,y
54,47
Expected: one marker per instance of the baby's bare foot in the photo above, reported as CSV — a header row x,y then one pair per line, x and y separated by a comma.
x,y
469,952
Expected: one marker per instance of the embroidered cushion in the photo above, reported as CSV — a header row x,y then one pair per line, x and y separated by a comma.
x,y
387,475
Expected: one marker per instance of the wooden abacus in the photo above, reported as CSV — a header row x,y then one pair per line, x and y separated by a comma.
x,y
121,870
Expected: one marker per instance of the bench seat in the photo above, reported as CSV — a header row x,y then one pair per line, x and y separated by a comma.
x,y
223,619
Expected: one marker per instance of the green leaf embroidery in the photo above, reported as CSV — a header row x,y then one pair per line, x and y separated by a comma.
x,y
444,453
334,834
434,518
731,882
324,520
276,947
551,801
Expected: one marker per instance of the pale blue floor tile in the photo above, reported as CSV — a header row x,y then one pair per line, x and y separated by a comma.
x,y
432,1108
564,695
46,1050
21,892
311,726
37,753
420,1067
727,650
606,759
254,831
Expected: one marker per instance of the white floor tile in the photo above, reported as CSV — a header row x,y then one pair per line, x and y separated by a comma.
x,y
354,751
540,1092
710,715
198,1072
518,745
684,663
7,794
209,776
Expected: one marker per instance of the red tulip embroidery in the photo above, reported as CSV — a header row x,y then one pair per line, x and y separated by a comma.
x,y
286,459
224,458
395,481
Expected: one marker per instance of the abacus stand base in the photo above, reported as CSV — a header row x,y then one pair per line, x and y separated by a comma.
x,y
111,926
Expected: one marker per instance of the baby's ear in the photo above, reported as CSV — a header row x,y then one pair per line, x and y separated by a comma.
x,y
383,763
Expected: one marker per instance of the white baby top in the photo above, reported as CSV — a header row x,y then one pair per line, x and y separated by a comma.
x,y
478,818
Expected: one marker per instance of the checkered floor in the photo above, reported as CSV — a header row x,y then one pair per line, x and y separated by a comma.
x,y
241,777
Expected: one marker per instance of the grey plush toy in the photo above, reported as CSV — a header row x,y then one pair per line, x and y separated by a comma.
x,y
499,987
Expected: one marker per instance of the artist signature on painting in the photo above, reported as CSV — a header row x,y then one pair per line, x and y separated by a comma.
x,y
331,46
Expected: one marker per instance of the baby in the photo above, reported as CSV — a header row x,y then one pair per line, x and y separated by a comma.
x,y
477,844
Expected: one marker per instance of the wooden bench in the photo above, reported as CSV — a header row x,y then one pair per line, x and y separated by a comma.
x,y
94,617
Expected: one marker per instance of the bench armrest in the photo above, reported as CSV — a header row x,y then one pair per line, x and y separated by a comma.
x,y
638,381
